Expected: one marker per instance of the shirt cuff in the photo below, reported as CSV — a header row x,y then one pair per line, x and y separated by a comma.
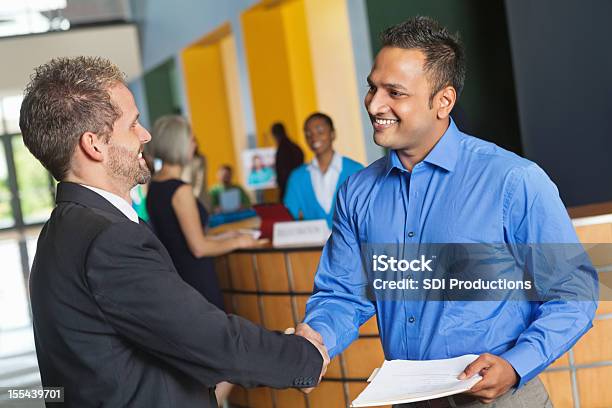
x,y
526,360
329,337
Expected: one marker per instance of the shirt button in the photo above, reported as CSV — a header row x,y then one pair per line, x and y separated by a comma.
x,y
411,234
411,319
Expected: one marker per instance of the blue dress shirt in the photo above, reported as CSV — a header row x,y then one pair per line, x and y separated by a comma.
x,y
466,190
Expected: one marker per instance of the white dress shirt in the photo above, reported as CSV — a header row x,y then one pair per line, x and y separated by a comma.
x,y
118,202
324,184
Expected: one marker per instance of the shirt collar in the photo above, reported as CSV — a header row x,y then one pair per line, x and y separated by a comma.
x,y
118,202
336,163
444,154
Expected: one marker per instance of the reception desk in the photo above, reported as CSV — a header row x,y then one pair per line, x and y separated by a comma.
x,y
271,286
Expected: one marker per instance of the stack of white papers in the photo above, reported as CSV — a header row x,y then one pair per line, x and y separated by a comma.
x,y
403,381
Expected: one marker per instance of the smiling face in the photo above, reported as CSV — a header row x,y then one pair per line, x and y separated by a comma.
x,y
124,162
398,100
319,135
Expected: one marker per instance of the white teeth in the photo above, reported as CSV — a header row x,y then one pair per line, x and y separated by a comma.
x,y
140,155
385,121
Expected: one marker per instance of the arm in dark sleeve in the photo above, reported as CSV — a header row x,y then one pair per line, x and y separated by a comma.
x,y
144,299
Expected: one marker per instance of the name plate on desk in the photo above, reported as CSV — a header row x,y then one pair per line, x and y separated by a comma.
x,y
300,233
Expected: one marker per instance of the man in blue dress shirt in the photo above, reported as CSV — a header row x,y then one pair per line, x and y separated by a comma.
x,y
439,185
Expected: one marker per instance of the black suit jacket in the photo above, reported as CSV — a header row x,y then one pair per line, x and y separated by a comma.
x,y
116,326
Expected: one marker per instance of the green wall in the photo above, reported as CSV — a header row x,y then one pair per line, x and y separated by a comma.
x,y
161,85
488,99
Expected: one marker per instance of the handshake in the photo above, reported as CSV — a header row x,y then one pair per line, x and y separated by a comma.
x,y
315,338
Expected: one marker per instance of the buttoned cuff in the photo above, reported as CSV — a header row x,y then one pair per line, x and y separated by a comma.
x,y
526,360
312,372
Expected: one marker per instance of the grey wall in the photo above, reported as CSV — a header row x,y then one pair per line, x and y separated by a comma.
x,y
563,71
166,27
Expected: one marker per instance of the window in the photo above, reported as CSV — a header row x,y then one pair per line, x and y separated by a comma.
x,y
26,201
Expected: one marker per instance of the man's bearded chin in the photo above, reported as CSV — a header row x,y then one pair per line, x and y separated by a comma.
x,y
144,177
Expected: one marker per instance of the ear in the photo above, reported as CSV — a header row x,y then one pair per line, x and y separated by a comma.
x,y
91,145
444,101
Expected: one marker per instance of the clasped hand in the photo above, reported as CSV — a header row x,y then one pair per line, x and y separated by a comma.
x,y
315,338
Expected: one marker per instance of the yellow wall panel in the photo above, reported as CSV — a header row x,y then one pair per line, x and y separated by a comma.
x,y
300,68
232,89
208,105
279,68
334,73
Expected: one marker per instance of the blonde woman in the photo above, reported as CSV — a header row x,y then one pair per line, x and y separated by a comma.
x,y
178,218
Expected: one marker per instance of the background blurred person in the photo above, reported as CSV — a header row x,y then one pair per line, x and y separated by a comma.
x,y
178,218
139,192
196,175
312,187
225,186
289,156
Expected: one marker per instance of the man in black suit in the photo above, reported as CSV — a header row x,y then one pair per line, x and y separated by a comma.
x,y
114,323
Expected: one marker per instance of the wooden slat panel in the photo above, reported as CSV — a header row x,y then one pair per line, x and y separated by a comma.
x,y
605,285
562,361
260,397
272,273
596,344
241,270
304,266
369,327
597,233
290,398
301,306
594,387
605,307
362,357
333,369
247,307
327,395
227,302
238,396
559,387
277,312
222,270
590,210
356,387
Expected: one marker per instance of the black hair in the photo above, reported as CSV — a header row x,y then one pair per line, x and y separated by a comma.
x,y
444,55
320,115
278,130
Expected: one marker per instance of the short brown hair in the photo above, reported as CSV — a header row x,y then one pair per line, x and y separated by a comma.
x,y
65,98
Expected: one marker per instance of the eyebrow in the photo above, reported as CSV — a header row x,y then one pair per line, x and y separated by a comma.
x,y
389,85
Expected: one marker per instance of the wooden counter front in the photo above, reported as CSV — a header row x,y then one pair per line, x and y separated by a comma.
x,y
270,287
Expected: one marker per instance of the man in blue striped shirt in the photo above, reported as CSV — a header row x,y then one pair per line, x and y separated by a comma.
x,y
439,185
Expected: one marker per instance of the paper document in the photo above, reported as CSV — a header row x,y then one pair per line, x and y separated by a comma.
x,y
402,381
